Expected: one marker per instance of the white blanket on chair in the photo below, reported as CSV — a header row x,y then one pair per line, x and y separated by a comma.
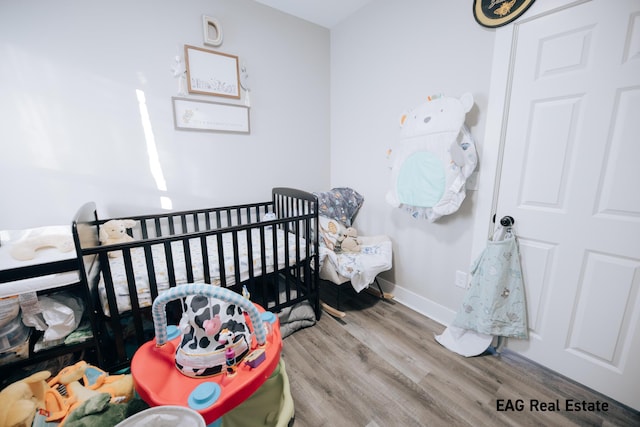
x,y
361,268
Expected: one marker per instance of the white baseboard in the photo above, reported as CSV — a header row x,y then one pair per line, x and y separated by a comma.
x,y
418,303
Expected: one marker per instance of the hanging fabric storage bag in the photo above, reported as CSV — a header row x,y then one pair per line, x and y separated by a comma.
x,y
495,303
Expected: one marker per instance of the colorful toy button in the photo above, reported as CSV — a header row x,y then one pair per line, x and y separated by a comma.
x,y
203,396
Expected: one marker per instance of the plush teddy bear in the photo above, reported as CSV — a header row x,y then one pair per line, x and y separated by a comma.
x,y
115,231
433,158
350,241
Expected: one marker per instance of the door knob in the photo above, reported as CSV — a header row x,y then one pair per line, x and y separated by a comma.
x,y
507,221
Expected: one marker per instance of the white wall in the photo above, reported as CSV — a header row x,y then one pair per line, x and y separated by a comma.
x,y
385,59
71,123
72,132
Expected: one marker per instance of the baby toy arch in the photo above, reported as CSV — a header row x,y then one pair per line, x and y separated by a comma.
x,y
205,290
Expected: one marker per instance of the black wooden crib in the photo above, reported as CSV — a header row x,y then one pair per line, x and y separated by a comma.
x,y
266,249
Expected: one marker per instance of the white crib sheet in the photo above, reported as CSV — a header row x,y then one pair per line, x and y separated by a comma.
x,y
119,277
49,254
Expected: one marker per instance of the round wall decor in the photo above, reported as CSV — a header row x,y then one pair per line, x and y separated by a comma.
x,y
495,13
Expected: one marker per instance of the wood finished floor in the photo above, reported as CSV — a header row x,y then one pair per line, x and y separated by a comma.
x,y
381,367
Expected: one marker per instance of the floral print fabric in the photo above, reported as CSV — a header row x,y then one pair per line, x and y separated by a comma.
x,y
340,204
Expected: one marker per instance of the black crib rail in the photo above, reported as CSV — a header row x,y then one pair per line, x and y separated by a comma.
x,y
296,214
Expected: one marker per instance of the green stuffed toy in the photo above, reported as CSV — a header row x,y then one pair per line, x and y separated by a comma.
x,y
98,411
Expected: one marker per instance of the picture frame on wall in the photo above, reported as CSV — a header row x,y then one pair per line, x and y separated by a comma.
x,y
212,73
201,115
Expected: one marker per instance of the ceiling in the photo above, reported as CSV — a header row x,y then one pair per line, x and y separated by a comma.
x,y
326,13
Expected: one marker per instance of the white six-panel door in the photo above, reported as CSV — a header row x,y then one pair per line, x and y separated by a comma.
x,y
570,176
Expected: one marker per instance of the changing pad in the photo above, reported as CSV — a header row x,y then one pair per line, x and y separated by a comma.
x,y
10,239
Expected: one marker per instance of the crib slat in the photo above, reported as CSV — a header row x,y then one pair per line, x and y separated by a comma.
x,y
115,324
263,266
297,239
183,223
158,227
205,259
151,271
207,220
249,214
223,273
187,260
287,266
133,295
218,220
250,265
276,263
309,253
168,253
172,228
236,257
143,228
196,223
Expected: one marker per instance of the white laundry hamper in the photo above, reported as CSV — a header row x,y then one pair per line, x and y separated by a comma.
x,y
165,416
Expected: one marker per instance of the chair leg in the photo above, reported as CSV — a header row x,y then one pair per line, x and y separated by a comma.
x,y
379,287
379,292
332,310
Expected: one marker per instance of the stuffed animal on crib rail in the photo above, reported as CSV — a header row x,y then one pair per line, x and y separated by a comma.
x,y
433,158
115,231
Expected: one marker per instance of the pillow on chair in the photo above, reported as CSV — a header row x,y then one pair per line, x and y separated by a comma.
x,y
341,204
330,230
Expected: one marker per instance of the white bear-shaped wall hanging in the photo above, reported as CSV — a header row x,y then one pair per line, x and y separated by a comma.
x,y
432,160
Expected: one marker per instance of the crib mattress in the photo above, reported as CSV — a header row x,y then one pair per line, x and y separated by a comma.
x,y
8,238
119,276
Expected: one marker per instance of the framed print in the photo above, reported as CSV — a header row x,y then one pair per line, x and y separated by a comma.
x,y
197,114
212,73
